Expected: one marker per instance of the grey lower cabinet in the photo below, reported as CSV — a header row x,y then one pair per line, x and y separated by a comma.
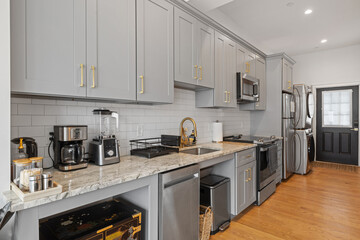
x,y
155,47
224,93
245,179
48,47
111,49
194,51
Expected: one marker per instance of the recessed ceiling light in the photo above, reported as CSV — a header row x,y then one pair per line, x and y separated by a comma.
x,y
186,0
324,41
308,11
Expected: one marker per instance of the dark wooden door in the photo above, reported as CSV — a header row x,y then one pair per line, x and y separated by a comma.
x,y
337,122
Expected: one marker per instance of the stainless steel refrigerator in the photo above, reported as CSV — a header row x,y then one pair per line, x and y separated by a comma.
x,y
288,134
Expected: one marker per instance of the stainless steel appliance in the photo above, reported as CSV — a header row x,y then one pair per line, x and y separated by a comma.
x,y
247,88
215,192
266,163
104,149
304,101
179,204
288,134
304,151
68,147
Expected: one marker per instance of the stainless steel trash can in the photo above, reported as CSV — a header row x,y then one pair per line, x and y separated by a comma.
x,y
215,192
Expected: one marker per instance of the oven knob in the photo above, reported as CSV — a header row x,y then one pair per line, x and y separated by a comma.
x,y
110,153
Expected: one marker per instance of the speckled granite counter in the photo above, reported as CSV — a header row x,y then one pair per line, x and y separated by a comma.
x,y
130,168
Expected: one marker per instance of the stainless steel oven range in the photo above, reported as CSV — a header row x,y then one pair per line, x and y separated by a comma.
x,y
266,163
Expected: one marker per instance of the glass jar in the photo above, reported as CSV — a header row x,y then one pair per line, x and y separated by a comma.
x,y
18,166
36,162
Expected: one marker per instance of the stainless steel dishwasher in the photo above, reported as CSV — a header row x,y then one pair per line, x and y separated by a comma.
x,y
179,204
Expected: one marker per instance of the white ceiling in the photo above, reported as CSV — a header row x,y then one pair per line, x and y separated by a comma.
x,y
279,28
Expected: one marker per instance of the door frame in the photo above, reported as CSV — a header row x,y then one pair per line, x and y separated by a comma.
x,y
314,88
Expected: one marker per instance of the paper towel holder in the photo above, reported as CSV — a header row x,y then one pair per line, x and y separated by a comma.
x,y
220,137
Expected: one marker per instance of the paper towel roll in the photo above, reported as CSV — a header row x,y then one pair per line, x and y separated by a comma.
x,y
217,131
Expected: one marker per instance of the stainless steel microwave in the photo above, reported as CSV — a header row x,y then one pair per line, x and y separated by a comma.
x,y
247,88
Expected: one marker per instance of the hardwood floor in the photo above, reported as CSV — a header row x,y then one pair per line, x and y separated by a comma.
x,y
325,204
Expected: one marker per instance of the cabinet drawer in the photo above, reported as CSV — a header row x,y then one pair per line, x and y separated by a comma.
x,y
245,157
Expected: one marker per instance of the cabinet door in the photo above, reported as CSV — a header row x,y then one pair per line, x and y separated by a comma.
x,y
155,78
251,184
186,65
231,73
287,76
242,176
205,55
220,90
48,47
250,63
111,49
240,58
260,74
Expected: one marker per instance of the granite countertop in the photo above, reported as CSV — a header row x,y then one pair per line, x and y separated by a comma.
x,y
130,168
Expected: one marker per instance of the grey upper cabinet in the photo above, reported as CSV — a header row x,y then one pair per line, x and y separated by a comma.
x,y
194,51
225,71
240,58
155,40
260,75
186,64
250,63
287,76
111,49
48,47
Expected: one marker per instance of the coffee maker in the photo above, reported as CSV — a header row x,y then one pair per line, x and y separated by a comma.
x,y
104,149
68,147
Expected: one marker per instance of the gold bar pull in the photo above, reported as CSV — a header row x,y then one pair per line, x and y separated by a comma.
x,y
82,75
225,96
247,67
200,68
247,175
93,76
229,98
104,229
196,71
142,84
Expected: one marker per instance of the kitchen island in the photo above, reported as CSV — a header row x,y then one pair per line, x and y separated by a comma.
x,y
134,178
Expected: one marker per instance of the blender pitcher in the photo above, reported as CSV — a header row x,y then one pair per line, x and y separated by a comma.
x,y
104,149
107,122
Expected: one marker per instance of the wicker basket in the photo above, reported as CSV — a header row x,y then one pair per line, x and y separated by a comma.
x,y
206,219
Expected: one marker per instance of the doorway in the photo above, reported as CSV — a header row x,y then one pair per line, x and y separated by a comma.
x,y
337,124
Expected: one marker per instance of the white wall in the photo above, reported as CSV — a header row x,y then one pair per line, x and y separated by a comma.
x,y
4,94
335,66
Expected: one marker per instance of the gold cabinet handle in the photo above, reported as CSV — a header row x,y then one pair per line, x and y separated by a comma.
x,y
200,68
82,75
250,174
247,70
354,129
229,101
225,96
247,175
142,84
196,71
93,76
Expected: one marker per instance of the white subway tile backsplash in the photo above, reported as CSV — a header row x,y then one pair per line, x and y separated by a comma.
x,y
55,110
36,118
20,120
31,131
29,109
43,120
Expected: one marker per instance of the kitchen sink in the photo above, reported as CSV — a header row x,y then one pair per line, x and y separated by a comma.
x,y
199,151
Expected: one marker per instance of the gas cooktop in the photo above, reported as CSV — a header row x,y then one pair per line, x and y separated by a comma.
x,y
250,139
